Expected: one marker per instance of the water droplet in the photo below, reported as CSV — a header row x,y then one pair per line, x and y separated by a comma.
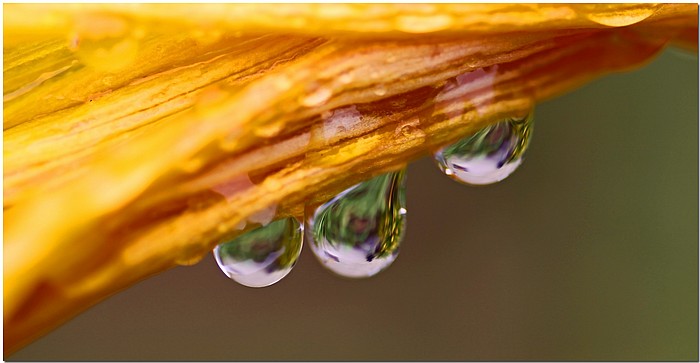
x,y
189,260
317,97
358,233
337,123
489,155
423,23
262,256
410,129
269,130
282,83
345,78
380,91
192,165
614,15
475,62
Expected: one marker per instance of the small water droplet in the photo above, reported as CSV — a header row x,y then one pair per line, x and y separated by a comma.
x,y
317,97
475,62
358,233
410,129
192,165
489,155
617,15
262,256
423,23
338,122
189,260
282,83
380,91
345,78
269,130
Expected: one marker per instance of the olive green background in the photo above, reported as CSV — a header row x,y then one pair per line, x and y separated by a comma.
x,y
588,252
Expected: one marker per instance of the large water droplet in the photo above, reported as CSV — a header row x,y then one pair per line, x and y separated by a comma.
x,y
489,155
358,233
262,256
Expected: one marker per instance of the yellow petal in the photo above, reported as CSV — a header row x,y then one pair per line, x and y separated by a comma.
x,y
139,136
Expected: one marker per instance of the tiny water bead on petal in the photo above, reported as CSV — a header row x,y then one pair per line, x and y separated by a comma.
x,y
358,233
262,256
488,156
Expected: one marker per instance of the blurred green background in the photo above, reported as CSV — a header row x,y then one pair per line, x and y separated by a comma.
x,y
588,252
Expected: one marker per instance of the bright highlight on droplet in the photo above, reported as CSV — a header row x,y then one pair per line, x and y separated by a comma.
x,y
488,156
358,233
620,15
262,256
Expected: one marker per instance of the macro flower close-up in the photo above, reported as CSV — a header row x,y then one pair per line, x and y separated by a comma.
x,y
329,181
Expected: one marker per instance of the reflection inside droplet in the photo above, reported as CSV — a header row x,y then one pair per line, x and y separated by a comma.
x,y
358,233
488,156
262,256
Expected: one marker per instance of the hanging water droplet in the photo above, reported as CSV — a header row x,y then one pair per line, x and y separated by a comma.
x,y
358,233
489,155
262,256
189,260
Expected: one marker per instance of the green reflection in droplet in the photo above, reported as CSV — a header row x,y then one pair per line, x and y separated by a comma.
x,y
358,233
262,256
489,155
